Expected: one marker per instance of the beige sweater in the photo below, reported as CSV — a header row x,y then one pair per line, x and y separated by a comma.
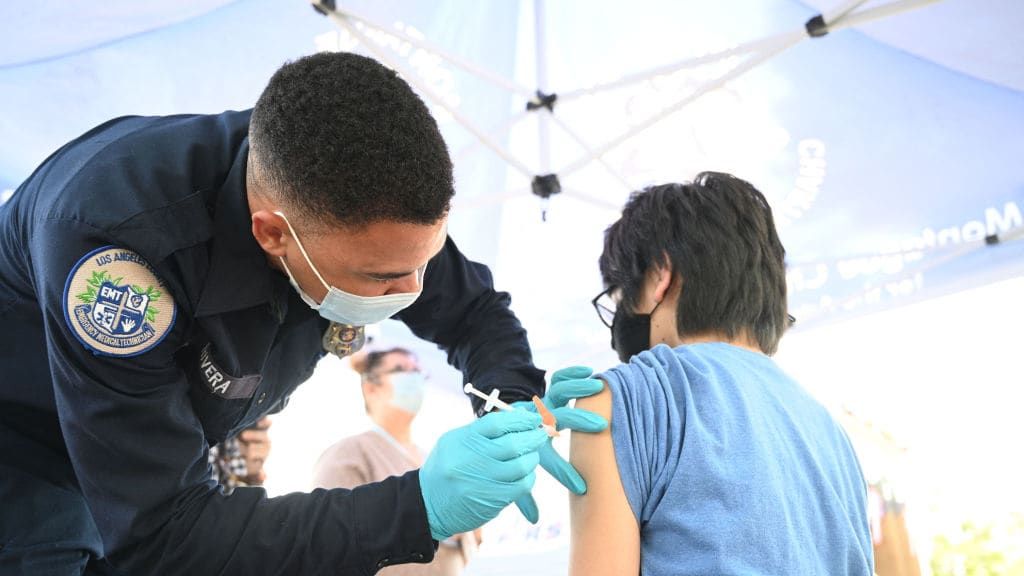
x,y
371,457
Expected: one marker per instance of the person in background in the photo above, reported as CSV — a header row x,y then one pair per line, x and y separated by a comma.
x,y
393,390
238,461
716,461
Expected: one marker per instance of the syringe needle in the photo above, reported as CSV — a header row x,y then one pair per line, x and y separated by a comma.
x,y
492,400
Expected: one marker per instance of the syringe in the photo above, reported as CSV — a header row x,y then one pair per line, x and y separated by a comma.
x,y
492,401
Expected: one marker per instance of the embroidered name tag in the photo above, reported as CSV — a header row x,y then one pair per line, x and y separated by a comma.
x,y
223,384
115,304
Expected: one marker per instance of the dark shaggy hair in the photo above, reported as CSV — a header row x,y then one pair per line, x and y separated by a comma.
x,y
344,140
719,236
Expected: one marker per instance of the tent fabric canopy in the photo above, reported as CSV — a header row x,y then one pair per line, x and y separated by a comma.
x,y
890,152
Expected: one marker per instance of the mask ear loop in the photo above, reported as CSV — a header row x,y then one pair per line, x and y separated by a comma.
x,y
420,273
302,249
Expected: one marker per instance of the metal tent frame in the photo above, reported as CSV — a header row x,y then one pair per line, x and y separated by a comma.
x,y
546,182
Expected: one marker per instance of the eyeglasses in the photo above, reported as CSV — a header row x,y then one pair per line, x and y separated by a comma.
x,y
376,374
605,306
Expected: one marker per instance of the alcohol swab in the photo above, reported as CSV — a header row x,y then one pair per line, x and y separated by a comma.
x,y
492,401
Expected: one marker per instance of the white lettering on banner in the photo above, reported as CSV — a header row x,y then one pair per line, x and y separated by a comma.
x,y
973,231
893,261
870,265
1011,219
811,154
799,278
894,258
995,222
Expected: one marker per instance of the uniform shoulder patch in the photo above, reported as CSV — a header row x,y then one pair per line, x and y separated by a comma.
x,y
115,304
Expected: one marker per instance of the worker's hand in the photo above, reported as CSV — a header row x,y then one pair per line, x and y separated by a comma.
x,y
566,384
477,470
254,444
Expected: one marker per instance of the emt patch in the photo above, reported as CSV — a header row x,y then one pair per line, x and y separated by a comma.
x,y
115,305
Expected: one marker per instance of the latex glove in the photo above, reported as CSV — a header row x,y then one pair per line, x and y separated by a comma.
x,y
477,470
566,384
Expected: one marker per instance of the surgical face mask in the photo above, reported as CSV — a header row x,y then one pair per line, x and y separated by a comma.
x,y
407,390
631,333
345,308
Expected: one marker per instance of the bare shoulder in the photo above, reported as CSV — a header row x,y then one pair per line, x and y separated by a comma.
x,y
600,403
605,535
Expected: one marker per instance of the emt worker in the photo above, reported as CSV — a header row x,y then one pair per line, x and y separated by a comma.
x,y
165,282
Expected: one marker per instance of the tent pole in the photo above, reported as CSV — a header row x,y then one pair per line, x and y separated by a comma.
x,y
885,10
937,260
644,75
592,199
849,302
843,17
484,201
541,62
414,81
838,18
838,13
789,40
454,59
590,151
499,127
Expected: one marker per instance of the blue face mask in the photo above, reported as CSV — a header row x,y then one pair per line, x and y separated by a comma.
x,y
345,308
407,390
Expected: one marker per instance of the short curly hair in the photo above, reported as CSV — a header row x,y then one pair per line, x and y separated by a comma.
x,y
342,139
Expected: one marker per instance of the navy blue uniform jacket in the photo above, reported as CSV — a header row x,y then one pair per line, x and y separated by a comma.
x,y
117,393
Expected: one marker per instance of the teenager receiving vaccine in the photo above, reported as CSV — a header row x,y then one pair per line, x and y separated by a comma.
x,y
393,389
716,461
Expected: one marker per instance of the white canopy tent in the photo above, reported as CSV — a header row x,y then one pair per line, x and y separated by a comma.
x,y
889,148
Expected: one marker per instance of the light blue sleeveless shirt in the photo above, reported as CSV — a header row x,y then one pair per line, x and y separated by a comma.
x,y
732,468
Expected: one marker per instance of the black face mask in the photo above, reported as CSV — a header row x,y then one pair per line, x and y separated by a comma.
x,y
631,333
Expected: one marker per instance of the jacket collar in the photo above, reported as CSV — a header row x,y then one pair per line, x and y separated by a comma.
x,y
239,275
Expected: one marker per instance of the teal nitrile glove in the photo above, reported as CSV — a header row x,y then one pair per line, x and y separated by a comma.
x,y
477,470
566,384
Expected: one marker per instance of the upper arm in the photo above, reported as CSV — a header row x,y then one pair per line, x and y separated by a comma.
x,y
122,401
140,453
605,533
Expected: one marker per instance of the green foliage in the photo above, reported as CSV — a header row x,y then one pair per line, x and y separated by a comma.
x,y
93,285
990,550
154,295
98,278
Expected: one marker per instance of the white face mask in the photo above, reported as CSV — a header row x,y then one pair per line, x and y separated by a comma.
x,y
345,308
407,390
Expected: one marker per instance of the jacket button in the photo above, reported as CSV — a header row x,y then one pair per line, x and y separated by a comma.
x,y
417,556
263,396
